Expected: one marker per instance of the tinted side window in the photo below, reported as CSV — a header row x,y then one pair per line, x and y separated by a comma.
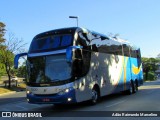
x,y
138,57
111,49
133,53
105,45
82,56
126,50
116,49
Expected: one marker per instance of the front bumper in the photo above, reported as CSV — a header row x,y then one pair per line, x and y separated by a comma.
x,y
66,98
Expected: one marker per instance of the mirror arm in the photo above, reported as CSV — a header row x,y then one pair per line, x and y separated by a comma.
x,y
16,58
69,52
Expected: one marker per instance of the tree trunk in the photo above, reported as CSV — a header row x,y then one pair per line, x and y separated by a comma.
x,y
147,75
9,81
9,76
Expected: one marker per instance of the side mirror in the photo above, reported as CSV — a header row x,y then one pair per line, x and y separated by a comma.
x,y
16,58
69,52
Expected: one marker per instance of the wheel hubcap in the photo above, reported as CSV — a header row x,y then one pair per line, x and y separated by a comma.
x,y
131,89
94,96
135,87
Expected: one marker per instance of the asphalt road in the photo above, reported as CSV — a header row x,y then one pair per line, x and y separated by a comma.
x,y
12,98
146,99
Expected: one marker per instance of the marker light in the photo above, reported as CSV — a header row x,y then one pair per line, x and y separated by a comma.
x,y
69,99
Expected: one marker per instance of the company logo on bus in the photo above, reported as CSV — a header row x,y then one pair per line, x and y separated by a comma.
x,y
34,89
45,90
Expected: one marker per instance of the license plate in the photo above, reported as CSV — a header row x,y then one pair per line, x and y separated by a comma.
x,y
46,100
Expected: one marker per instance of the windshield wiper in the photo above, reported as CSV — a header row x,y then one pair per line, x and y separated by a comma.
x,y
55,80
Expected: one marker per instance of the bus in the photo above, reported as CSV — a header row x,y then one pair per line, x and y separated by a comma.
x,y
72,65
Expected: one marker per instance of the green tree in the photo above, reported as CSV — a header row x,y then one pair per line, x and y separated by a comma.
x,y
2,32
149,66
7,59
21,72
12,45
2,69
2,40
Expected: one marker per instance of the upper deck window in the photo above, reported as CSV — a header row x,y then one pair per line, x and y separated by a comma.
x,y
66,40
49,43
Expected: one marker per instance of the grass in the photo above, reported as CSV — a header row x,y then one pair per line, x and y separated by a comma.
x,y
4,90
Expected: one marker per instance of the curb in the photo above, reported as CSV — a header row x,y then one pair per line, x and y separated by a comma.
x,y
3,94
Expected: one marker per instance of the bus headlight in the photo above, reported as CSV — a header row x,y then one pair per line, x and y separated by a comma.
x,y
28,92
67,90
64,91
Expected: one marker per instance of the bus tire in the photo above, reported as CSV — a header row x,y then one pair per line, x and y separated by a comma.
x,y
136,86
95,95
131,88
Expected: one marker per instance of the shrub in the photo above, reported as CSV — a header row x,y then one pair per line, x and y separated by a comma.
x,y
151,76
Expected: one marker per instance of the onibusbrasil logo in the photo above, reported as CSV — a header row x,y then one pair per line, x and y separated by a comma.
x,y
21,114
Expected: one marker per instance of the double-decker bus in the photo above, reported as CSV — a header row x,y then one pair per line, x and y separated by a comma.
x,y
74,64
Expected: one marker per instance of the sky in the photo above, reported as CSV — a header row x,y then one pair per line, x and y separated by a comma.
x,y
137,21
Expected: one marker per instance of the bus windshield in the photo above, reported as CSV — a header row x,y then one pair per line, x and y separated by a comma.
x,y
49,43
48,69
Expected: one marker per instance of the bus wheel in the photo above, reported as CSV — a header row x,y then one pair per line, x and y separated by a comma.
x,y
95,96
135,86
131,88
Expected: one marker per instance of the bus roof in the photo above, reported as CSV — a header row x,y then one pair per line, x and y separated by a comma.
x,y
73,29
60,30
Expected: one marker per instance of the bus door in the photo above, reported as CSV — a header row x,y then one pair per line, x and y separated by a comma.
x,y
81,66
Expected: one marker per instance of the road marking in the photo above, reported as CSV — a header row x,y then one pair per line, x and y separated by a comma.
x,y
5,109
21,107
115,103
36,105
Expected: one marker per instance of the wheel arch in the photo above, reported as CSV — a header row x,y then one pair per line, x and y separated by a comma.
x,y
96,87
